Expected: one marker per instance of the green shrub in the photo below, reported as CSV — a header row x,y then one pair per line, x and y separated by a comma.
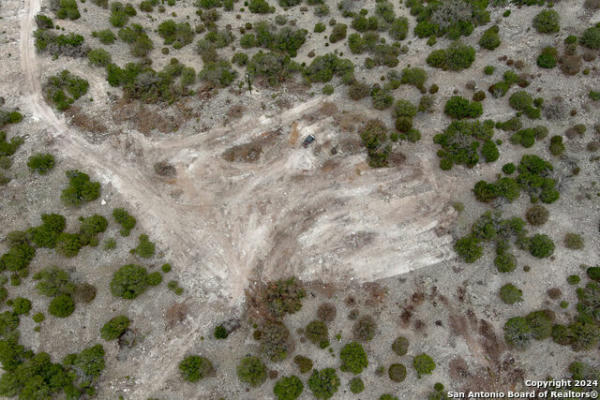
x,y
455,58
573,279
397,372
356,385
64,88
489,69
547,21
274,341
404,108
288,388
220,332
388,396
338,33
166,268
324,68
541,246
458,107
423,364
468,248
510,294
283,296
573,241
67,9
218,73
124,219
176,34
324,383
17,258
522,101
43,22
508,168
240,59
354,358
154,278
399,28
548,58
99,57
304,364
505,262
21,305
46,235
252,371
316,331
41,163
490,39
557,147
80,190
105,36
260,7
68,244
591,38
115,327
129,281
195,368
414,76
592,273
61,306
38,317
145,247
517,332
400,345
319,27
53,281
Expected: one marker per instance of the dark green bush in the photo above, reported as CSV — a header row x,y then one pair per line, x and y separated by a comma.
x,y
64,88
304,364
547,21
124,219
67,9
397,372
41,163
218,73
490,39
195,368
423,364
53,281
540,323
129,281
220,332
252,371
324,68
46,235
591,38
80,190
548,58
316,331
557,147
458,107
17,258
541,246
455,58
61,306
522,101
338,33
260,7
99,57
288,388
68,244
399,28
517,332
43,22
115,327
510,294
21,305
460,142
324,383
145,247
468,248
593,273
354,358
505,262
400,345
176,34
356,385
105,36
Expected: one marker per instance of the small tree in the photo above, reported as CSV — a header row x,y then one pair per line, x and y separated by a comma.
x,y
115,327
541,246
397,372
356,385
129,281
324,383
354,358
316,331
547,21
510,294
517,332
400,345
62,306
42,163
423,364
252,370
195,368
288,388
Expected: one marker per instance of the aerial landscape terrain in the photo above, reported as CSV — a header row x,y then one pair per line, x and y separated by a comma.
x,y
299,199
